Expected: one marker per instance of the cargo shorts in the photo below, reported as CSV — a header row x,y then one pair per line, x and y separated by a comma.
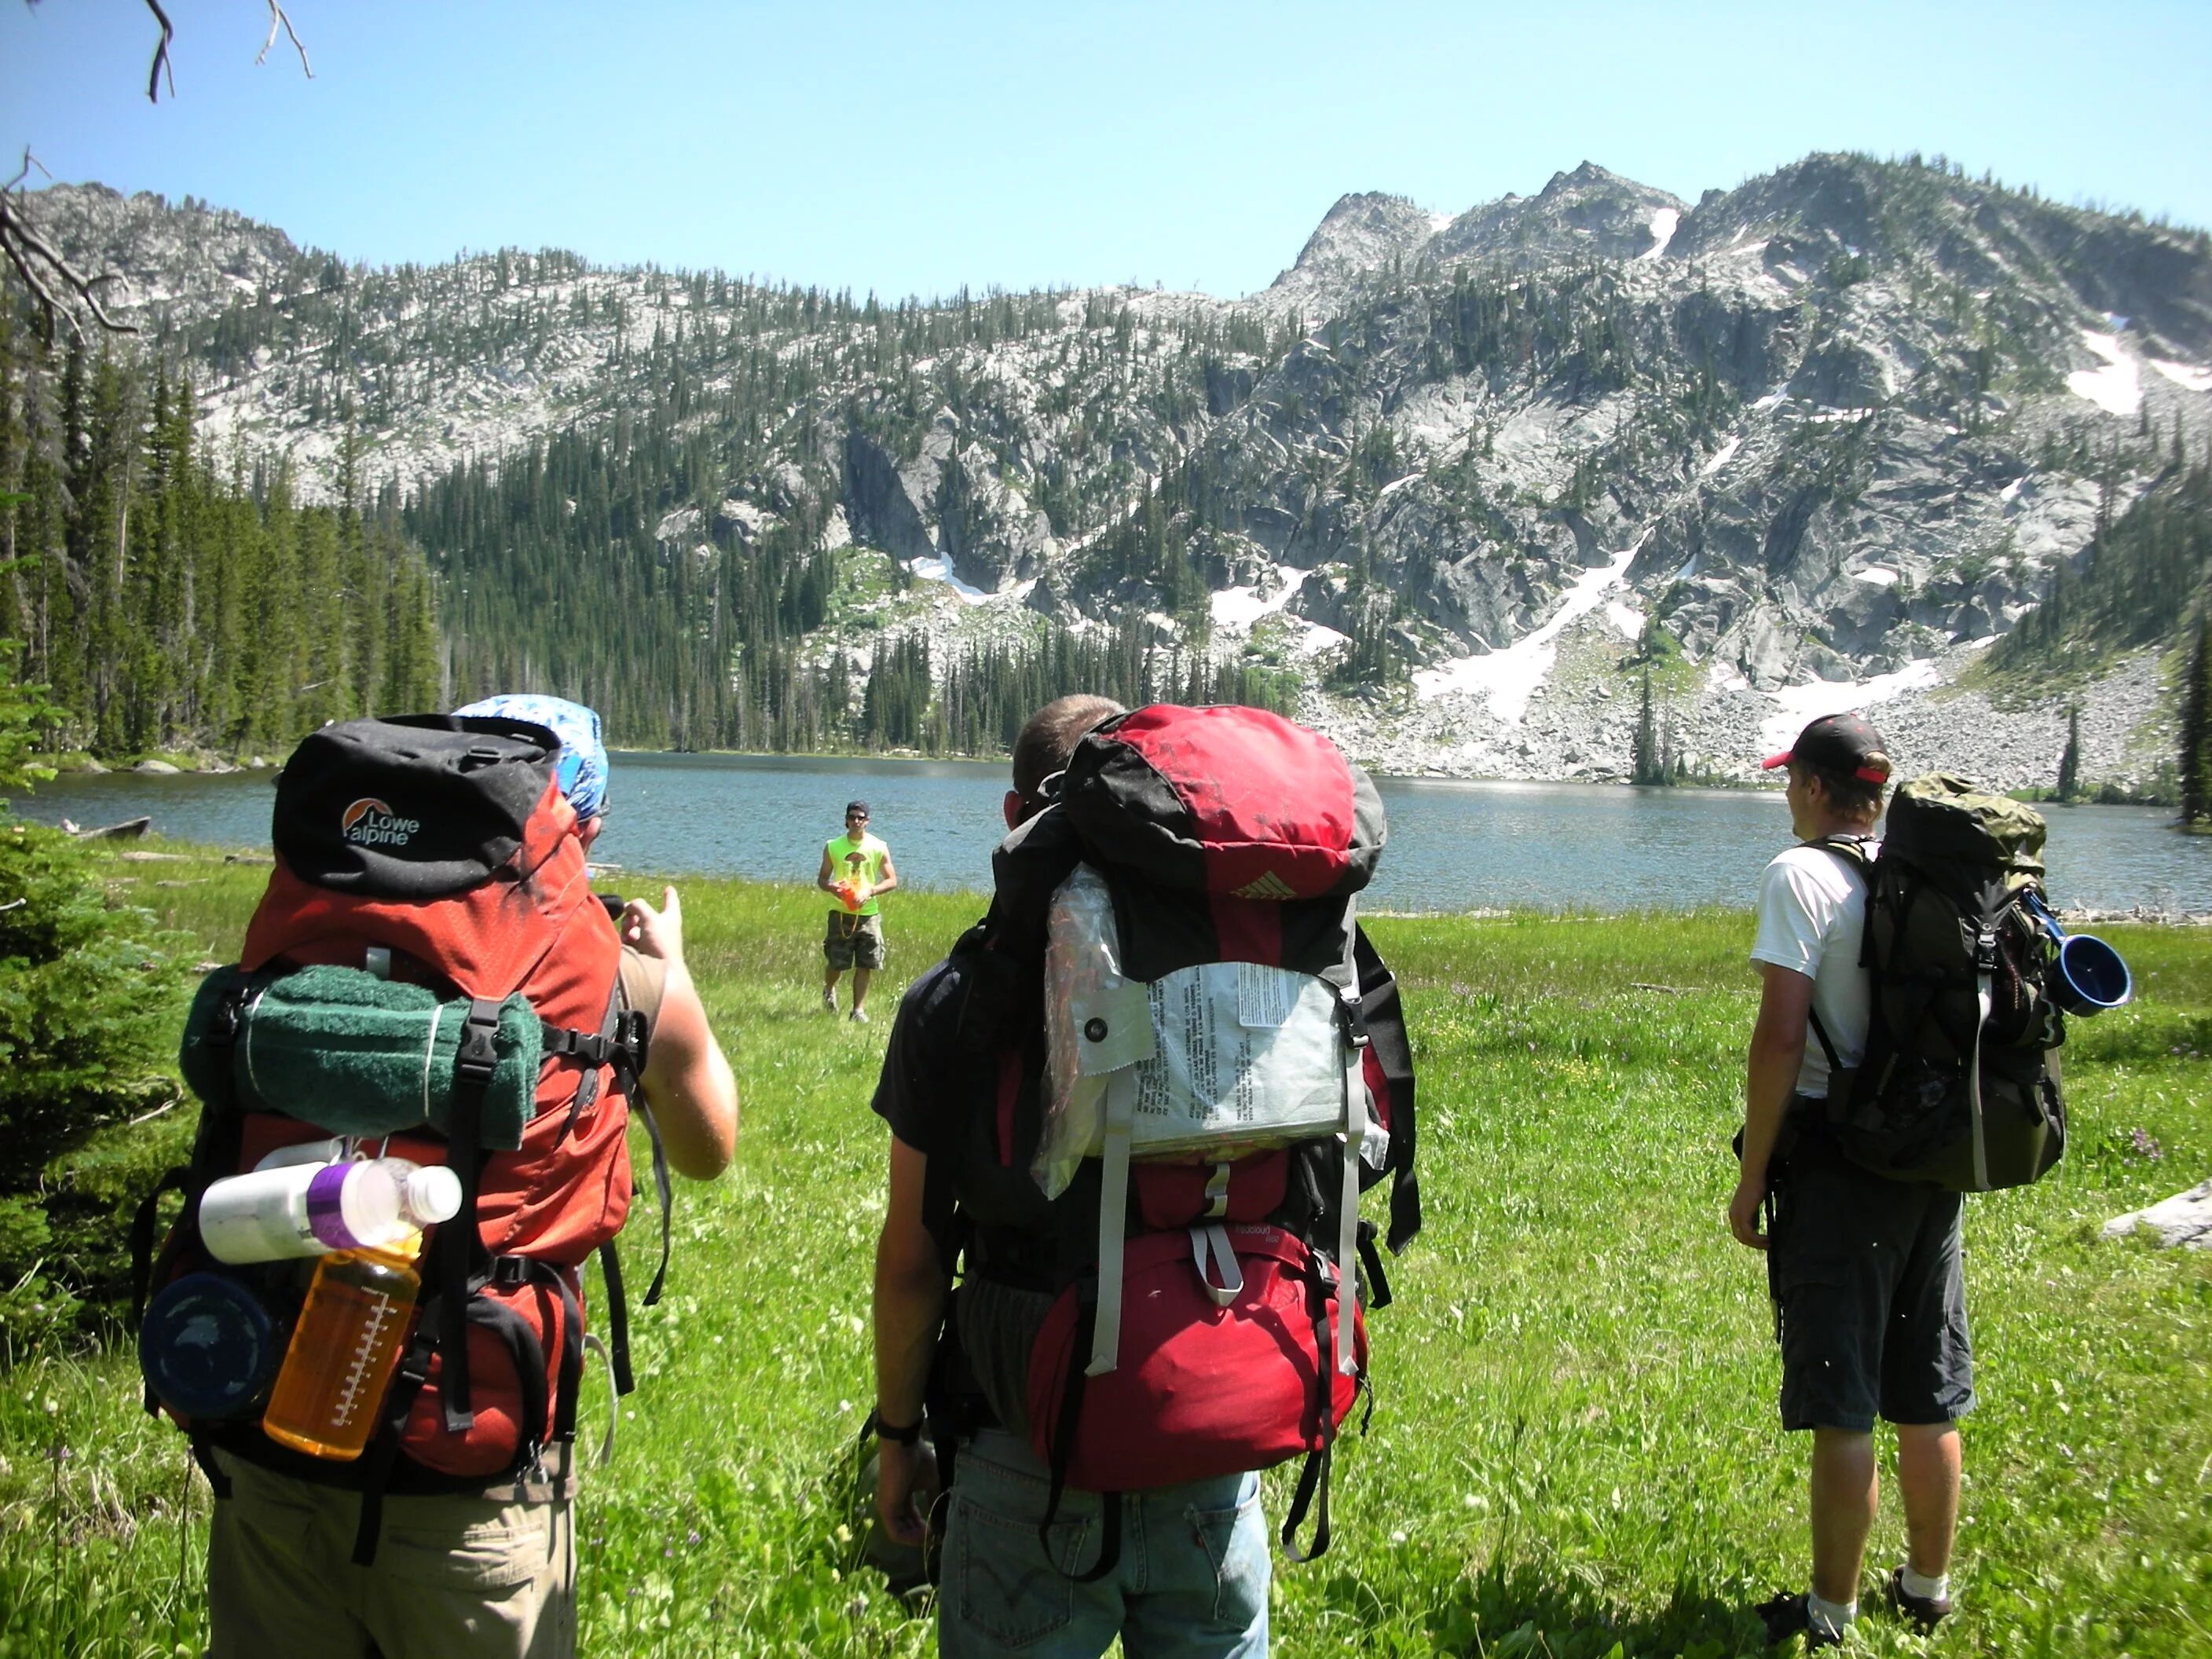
x,y
454,1577
852,941
1873,1306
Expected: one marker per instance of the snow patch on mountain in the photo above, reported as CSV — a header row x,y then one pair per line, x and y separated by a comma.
x,y
2186,375
1508,679
1663,223
936,568
1796,705
2116,388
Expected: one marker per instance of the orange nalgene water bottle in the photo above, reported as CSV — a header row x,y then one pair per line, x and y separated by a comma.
x,y
357,1316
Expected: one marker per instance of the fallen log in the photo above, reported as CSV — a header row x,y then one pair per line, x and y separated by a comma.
x,y
129,830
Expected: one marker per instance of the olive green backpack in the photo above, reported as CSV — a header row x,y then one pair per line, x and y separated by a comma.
x,y
1959,1082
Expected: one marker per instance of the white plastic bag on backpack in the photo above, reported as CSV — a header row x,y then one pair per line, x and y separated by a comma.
x,y
1228,1056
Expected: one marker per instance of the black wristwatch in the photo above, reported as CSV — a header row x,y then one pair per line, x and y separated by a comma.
x,y
898,1436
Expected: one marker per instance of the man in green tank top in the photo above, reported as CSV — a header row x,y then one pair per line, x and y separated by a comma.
x,y
856,870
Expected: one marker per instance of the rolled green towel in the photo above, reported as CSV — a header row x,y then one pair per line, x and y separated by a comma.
x,y
356,1055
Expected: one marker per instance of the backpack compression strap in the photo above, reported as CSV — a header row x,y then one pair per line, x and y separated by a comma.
x,y
459,1245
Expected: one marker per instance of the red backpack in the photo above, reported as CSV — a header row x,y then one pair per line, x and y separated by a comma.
x,y
440,850
1185,1063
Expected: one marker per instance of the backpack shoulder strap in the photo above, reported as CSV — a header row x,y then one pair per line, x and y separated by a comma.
x,y
1385,1019
1850,850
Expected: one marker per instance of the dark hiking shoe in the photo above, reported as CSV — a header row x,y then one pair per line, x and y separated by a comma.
x,y
1786,1616
1925,1611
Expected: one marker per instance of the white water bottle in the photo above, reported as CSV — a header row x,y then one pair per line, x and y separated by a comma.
x,y
313,1209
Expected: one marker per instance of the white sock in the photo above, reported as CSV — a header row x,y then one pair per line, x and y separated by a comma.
x,y
1829,1616
1933,1589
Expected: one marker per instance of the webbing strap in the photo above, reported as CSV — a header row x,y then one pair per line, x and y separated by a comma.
x,y
1112,1223
1371,1262
143,1221
1213,1241
660,1189
459,1247
384,1448
606,1362
202,1449
1813,1019
1355,1131
1313,1479
1982,1002
1061,1450
1217,1193
618,1348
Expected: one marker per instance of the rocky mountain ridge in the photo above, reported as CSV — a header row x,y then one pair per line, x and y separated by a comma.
x,y
1815,440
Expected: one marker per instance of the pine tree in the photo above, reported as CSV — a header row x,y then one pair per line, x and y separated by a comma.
x,y
2196,757
2069,762
1644,764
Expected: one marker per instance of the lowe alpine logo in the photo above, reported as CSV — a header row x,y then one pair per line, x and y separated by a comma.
x,y
369,823
1266,885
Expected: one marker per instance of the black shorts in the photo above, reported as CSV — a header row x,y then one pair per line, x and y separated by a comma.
x,y
1873,1308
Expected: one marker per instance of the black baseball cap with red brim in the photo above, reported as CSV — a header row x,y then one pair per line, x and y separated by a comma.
x,y
1838,743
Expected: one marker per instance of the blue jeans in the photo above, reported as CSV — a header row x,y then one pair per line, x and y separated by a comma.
x,y
1191,1583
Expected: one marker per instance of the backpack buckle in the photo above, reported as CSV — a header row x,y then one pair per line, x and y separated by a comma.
x,y
479,1055
1985,951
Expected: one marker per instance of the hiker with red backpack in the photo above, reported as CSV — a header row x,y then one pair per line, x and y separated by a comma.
x,y
1900,1058
429,979
1134,1110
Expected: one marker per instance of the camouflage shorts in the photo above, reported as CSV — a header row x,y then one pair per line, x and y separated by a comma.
x,y
854,941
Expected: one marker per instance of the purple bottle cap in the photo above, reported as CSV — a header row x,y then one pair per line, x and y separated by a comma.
x,y
325,1213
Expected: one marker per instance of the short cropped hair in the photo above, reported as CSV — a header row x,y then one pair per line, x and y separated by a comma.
x,y
1049,736
1848,794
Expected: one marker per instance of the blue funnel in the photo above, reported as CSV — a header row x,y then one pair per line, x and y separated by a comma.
x,y
2091,976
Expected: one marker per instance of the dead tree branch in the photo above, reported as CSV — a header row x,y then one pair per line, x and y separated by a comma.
x,y
160,55
42,267
278,20
50,279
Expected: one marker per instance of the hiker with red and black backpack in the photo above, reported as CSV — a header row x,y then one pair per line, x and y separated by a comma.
x,y
1133,1110
430,978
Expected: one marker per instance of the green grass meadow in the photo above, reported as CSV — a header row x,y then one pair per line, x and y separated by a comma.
x,y
1574,1452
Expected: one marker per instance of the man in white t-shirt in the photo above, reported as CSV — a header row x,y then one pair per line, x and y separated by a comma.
x,y
1864,1270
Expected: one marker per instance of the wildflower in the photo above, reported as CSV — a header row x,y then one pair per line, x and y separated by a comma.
x,y
691,1537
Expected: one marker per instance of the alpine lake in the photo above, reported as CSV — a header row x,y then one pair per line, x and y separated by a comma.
x,y
1454,846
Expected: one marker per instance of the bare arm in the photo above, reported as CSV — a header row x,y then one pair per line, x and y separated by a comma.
x,y
827,873
1778,1045
687,1080
891,875
909,1307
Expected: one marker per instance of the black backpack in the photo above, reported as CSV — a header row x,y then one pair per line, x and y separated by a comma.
x,y
1959,1082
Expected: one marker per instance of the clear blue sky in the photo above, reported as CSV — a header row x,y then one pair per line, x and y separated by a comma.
x,y
913,148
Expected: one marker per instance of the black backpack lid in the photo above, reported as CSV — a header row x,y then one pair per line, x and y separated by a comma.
x,y
410,807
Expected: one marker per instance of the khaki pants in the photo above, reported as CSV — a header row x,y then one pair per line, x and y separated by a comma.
x,y
455,1577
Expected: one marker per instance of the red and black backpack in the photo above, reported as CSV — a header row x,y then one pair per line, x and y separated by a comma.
x,y
440,850
1199,1323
